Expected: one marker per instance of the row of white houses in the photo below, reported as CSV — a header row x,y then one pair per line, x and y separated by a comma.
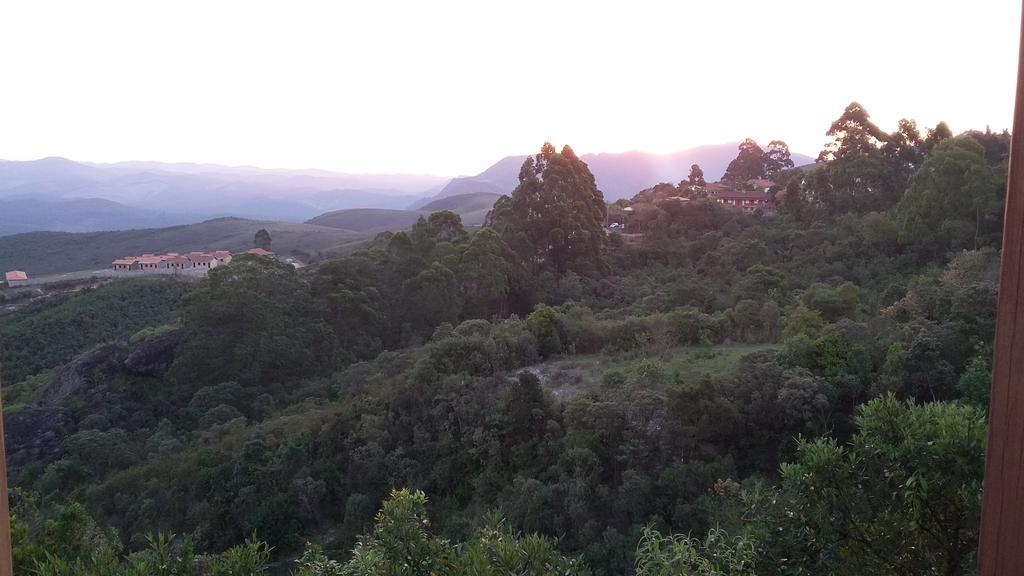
x,y
173,261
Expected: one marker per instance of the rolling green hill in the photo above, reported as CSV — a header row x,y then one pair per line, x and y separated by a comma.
x,y
368,220
471,207
43,253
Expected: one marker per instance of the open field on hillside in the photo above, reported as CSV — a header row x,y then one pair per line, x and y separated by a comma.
x,y
46,253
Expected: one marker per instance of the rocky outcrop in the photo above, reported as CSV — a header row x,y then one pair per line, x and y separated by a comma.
x,y
81,373
35,436
152,357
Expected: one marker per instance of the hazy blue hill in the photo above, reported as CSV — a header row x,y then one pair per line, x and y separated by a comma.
x,y
22,214
53,169
500,178
206,191
42,253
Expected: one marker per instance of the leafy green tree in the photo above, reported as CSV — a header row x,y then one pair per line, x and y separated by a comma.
x,y
881,232
793,201
852,134
803,321
954,200
833,303
975,383
935,135
353,293
903,498
430,298
262,239
696,177
860,183
487,272
555,217
905,145
776,158
544,325
749,164
996,144
694,185
401,544
835,355
440,227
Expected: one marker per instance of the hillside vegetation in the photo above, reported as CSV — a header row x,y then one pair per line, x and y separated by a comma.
x,y
43,253
472,208
367,220
728,393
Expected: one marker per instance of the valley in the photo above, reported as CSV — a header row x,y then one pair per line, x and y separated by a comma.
x,y
607,392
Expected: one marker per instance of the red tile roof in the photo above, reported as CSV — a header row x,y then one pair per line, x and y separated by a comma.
x,y
15,275
174,257
740,195
717,187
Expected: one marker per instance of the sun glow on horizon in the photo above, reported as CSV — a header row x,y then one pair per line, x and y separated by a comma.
x,y
450,87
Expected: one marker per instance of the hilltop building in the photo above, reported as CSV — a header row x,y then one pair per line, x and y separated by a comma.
x,y
16,278
751,200
172,262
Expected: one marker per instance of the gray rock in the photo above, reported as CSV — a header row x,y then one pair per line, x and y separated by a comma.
x,y
77,375
152,357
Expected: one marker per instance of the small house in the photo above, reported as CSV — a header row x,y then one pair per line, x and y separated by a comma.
x,y
124,264
222,256
746,200
177,262
201,260
16,278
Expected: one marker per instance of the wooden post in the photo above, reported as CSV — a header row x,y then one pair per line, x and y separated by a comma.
x,y
6,559
1001,549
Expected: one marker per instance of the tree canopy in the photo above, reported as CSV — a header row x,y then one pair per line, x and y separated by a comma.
x,y
749,164
555,217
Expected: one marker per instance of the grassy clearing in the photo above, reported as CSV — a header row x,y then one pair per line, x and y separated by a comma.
x,y
568,376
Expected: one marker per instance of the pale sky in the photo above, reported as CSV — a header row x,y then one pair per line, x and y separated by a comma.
x,y
447,87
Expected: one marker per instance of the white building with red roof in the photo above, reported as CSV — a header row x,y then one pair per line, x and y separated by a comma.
x,y
16,278
172,262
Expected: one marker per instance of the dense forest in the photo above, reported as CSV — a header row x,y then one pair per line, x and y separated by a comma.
x,y
712,392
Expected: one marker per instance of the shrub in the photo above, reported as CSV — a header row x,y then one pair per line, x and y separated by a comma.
x,y
545,326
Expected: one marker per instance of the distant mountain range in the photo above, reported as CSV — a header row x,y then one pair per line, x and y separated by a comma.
x,y
21,214
58,194
618,175
61,195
